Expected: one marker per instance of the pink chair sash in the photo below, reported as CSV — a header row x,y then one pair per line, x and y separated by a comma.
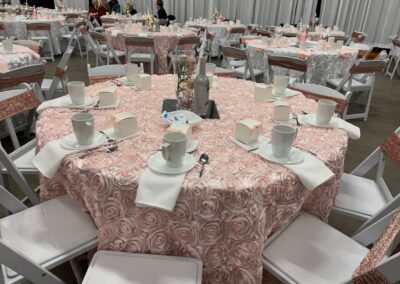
x,y
391,146
14,105
366,272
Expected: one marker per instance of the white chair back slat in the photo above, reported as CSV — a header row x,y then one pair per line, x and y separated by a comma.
x,y
10,202
24,266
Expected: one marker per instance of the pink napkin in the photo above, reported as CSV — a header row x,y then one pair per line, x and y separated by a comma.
x,y
303,54
344,53
3,66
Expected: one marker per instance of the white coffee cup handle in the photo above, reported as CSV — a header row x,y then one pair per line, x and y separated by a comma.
x,y
165,151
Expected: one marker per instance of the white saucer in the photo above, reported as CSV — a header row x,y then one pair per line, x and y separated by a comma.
x,y
192,118
125,81
296,156
250,147
192,147
311,120
89,101
157,163
287,93
69,142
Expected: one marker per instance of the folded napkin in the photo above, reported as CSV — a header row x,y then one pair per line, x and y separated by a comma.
x,y
49,159
345,53
303,54
353,132
312,172
48,104
159,190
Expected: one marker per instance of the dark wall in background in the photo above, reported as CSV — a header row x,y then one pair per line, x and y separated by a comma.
x,y
40,3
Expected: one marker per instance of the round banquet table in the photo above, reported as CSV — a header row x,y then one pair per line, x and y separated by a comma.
x,y
322,65
17,27
164,43
223,218
220,32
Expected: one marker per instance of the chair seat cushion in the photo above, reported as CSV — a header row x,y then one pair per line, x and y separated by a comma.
x,y
358,194
47,83
48,230
310,251
140,56
36,38
127,268
240,71
355,85
119,53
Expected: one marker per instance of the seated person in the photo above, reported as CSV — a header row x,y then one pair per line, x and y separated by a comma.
x,y
161,14
130,10
115,6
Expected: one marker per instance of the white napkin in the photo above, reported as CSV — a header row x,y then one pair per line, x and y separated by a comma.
x,y
159,190
312,172
50,103
352,131
49,159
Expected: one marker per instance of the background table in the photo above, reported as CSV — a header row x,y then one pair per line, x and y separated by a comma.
x,y
223,218
220,32
20,56
164,43
17,28
323,65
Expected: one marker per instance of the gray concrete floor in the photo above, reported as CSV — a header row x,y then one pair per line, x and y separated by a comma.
x,y
384,118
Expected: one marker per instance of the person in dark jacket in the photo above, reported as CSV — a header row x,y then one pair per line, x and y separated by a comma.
x,y
161,14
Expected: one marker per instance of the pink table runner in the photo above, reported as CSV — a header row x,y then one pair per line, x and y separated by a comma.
x,y
164,43
223,218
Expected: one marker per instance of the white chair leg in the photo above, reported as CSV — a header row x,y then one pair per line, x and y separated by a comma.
x,y
51,48
11,132
77,271
79,46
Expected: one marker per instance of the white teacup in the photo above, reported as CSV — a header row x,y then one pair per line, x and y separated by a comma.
x,y
282,139
76,90
131,70
339,44
280,84
325,111
174,148
83,125
303,45
7,45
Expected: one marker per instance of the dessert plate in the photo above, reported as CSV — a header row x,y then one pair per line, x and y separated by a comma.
x,y
69,142
295,156
89,102
158,164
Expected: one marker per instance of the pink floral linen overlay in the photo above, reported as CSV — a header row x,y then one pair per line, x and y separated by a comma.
x,y
164,43
222,218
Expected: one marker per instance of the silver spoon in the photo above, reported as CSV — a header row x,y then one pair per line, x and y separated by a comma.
x,y
203,161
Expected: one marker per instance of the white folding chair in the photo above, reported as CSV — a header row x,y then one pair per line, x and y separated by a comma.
x,y
360,197
349,85
104,49
75,36
45,30
104,73
357,37
147,43
36,239
32,74
2,32
182,47
395,59
244,72
59,81
233,38
127,268
317,92
289,63
307,250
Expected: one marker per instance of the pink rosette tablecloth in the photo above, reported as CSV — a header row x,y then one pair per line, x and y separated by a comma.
x,y
19,57
164,43
223,218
